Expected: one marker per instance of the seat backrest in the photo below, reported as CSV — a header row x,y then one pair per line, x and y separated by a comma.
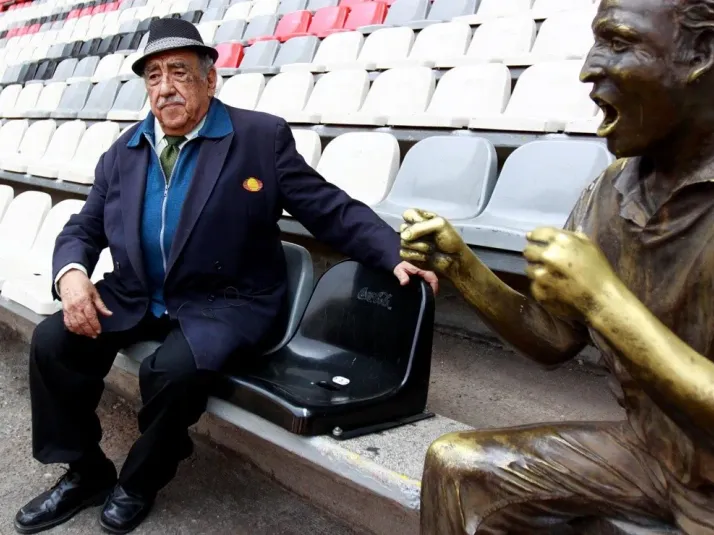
x,y
400,91
11,134
108,67
364,164
22,221
387,44
87,66
207,31
264,7
95,141
339,47
366,312
35,141
315,5
102,97
8,97
243,90
300,285
40,256
27,99
472,91
499,38
340,91
328,18
230,30
450,175
131,97
75,96
442,40
260,54
566,34
444,10
308,145
260,26
65,69
238,11
287,91
290,6
552,90
297,50
51,96
213,14
229,55
104,265
403,11
546,8
64,142
542,180
366,14
7,193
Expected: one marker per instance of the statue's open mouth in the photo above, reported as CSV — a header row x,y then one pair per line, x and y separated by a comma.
x,y
612,117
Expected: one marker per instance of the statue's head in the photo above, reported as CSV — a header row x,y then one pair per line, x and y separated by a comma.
x,y
652,71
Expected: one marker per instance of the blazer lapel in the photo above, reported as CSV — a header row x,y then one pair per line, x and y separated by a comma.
x,y
132,172
211,158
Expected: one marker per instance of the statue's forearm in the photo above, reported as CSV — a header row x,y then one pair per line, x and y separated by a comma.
x,y
517,319
678,378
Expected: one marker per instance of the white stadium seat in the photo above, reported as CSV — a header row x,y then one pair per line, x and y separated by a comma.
x,y
61,150
8,97
32,148
26,101
435,42
542,9
385,45
341,91
29,282
496,40
95,141
546,98
286,92
19,228
11,134
462,93
363,164
243,90
7,193
239,11
108,67
403,91
308,145
105,265
48,100
338,48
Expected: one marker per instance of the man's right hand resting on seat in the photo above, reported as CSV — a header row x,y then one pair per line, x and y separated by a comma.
x,y
81,304
188,203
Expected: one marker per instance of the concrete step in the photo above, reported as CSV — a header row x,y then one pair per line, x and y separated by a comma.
x,y
476,382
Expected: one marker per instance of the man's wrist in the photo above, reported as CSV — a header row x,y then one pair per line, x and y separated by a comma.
x,y
66,269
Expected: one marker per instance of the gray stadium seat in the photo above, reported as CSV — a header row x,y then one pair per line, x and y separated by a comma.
x,y
288,6
401,13
538,186
450,175
259,57
315,5
49,99
85,69
100,100
129,102
64,70
213,14
230,31
296,50
198,5
260,26
73,100
218,3
445,10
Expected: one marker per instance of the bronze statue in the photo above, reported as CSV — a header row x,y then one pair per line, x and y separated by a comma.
x,y
633,274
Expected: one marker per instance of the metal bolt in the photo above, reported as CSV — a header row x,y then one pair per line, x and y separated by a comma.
x,y
337,432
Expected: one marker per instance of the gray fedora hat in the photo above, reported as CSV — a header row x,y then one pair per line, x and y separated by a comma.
x,y
170,34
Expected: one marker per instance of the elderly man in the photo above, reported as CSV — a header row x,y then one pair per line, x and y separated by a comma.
x,y
188,203
633,274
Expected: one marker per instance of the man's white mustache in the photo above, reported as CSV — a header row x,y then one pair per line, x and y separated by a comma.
x,y
176,99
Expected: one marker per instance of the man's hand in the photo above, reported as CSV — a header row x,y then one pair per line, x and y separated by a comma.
x,y
404,270
431,240
80,304
569,273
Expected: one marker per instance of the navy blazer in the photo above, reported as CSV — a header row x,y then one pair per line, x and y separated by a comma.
x,y
226,275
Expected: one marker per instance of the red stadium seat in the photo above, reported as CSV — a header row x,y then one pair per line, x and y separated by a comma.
x,y
229,55
292,24
74,14
363,14
87,11
325,21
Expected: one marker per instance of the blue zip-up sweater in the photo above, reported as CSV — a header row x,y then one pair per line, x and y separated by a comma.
x,y
163,200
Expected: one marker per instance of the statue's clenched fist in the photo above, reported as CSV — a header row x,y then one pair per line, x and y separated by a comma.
x,y
81,303
568,271
429,239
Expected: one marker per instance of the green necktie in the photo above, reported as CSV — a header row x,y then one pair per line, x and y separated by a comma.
x,y
170,154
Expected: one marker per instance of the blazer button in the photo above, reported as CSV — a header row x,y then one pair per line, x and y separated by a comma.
x,y
116,264
218,266
211,298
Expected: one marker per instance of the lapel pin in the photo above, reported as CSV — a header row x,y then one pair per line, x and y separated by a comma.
x,y
252,184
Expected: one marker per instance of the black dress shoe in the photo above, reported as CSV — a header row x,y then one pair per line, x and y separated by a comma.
x,y
72,493
124,511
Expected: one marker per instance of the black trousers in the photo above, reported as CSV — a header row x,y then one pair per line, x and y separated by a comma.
x,y
66,383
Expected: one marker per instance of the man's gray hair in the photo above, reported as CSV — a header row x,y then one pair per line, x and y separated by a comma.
x,y
205,64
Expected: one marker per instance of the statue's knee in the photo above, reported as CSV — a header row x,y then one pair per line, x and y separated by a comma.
x,y
460,453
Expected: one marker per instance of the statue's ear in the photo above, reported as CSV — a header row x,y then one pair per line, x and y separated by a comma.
x,y
702,56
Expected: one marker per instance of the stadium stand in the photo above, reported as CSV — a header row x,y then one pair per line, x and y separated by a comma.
x,y
469,108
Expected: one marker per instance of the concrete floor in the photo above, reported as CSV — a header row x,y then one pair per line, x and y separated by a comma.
x,y
475,382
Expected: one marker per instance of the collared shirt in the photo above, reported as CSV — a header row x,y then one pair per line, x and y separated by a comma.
x,y
160,143
663,250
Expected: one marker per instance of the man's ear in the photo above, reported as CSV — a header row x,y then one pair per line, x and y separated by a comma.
x,y
212,81
702,56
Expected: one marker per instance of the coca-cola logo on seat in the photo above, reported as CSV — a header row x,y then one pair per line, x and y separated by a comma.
x,y
382,299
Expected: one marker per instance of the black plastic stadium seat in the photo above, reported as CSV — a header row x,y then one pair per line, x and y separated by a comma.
x,y
360,360
109,45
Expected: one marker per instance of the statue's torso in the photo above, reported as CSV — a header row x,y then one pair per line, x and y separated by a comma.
x,y
665,256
